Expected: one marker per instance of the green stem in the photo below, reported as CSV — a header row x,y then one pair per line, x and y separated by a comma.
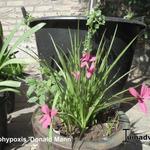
x,y
82,133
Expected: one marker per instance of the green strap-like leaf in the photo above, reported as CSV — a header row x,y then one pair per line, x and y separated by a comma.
x,y
9,90
26,35
10,83
118,58
8,40
32,99
16,61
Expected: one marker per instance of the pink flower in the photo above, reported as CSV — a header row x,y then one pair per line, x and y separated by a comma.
x,y
92,59
84,64
47,116
142,96
90,71
76,75
86,59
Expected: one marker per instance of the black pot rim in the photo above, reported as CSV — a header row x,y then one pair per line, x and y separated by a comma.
x,y
108,19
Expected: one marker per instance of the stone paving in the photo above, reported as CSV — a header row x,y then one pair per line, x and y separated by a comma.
x,y
19,122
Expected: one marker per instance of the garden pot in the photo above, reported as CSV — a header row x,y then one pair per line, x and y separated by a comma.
x,y
10,102
10,96
63,143
58,28
3,118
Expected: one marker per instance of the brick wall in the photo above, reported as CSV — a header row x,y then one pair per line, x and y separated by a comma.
x,y
10,13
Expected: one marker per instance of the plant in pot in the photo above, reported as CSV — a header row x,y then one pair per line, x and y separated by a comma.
x,y
10,68
5,86
77,109
10,72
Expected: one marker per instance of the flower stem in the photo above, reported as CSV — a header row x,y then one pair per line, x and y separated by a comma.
x,y
82,133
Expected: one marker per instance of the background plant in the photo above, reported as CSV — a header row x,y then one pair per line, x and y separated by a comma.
x,y
95,19
128,9
10,66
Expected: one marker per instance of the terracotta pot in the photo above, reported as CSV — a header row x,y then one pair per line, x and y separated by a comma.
x,y
62,143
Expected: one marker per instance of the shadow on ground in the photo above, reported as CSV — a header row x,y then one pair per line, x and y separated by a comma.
x,y
20,129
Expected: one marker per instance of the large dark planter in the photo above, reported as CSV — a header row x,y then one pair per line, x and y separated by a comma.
x,y
3,119
62,143
58,27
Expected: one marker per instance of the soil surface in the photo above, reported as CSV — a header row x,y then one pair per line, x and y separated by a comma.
x,y
106,126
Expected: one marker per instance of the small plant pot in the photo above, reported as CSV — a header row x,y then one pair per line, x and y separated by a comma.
x,y
59,142
10,102
3,119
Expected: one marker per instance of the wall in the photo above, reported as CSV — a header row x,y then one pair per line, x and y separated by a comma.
x,y
10,13
10,10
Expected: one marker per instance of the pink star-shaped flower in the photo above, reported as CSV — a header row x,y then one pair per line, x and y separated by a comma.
x,y
142,96
47,116
86,59
90,71
76,75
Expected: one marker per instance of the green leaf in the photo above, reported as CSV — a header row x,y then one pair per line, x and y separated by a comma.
x,y
33,100
26,35
31,81
8,40
118,58
5,89
62,61
56,99
15,61
30,90
42,99
10,83
54,88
